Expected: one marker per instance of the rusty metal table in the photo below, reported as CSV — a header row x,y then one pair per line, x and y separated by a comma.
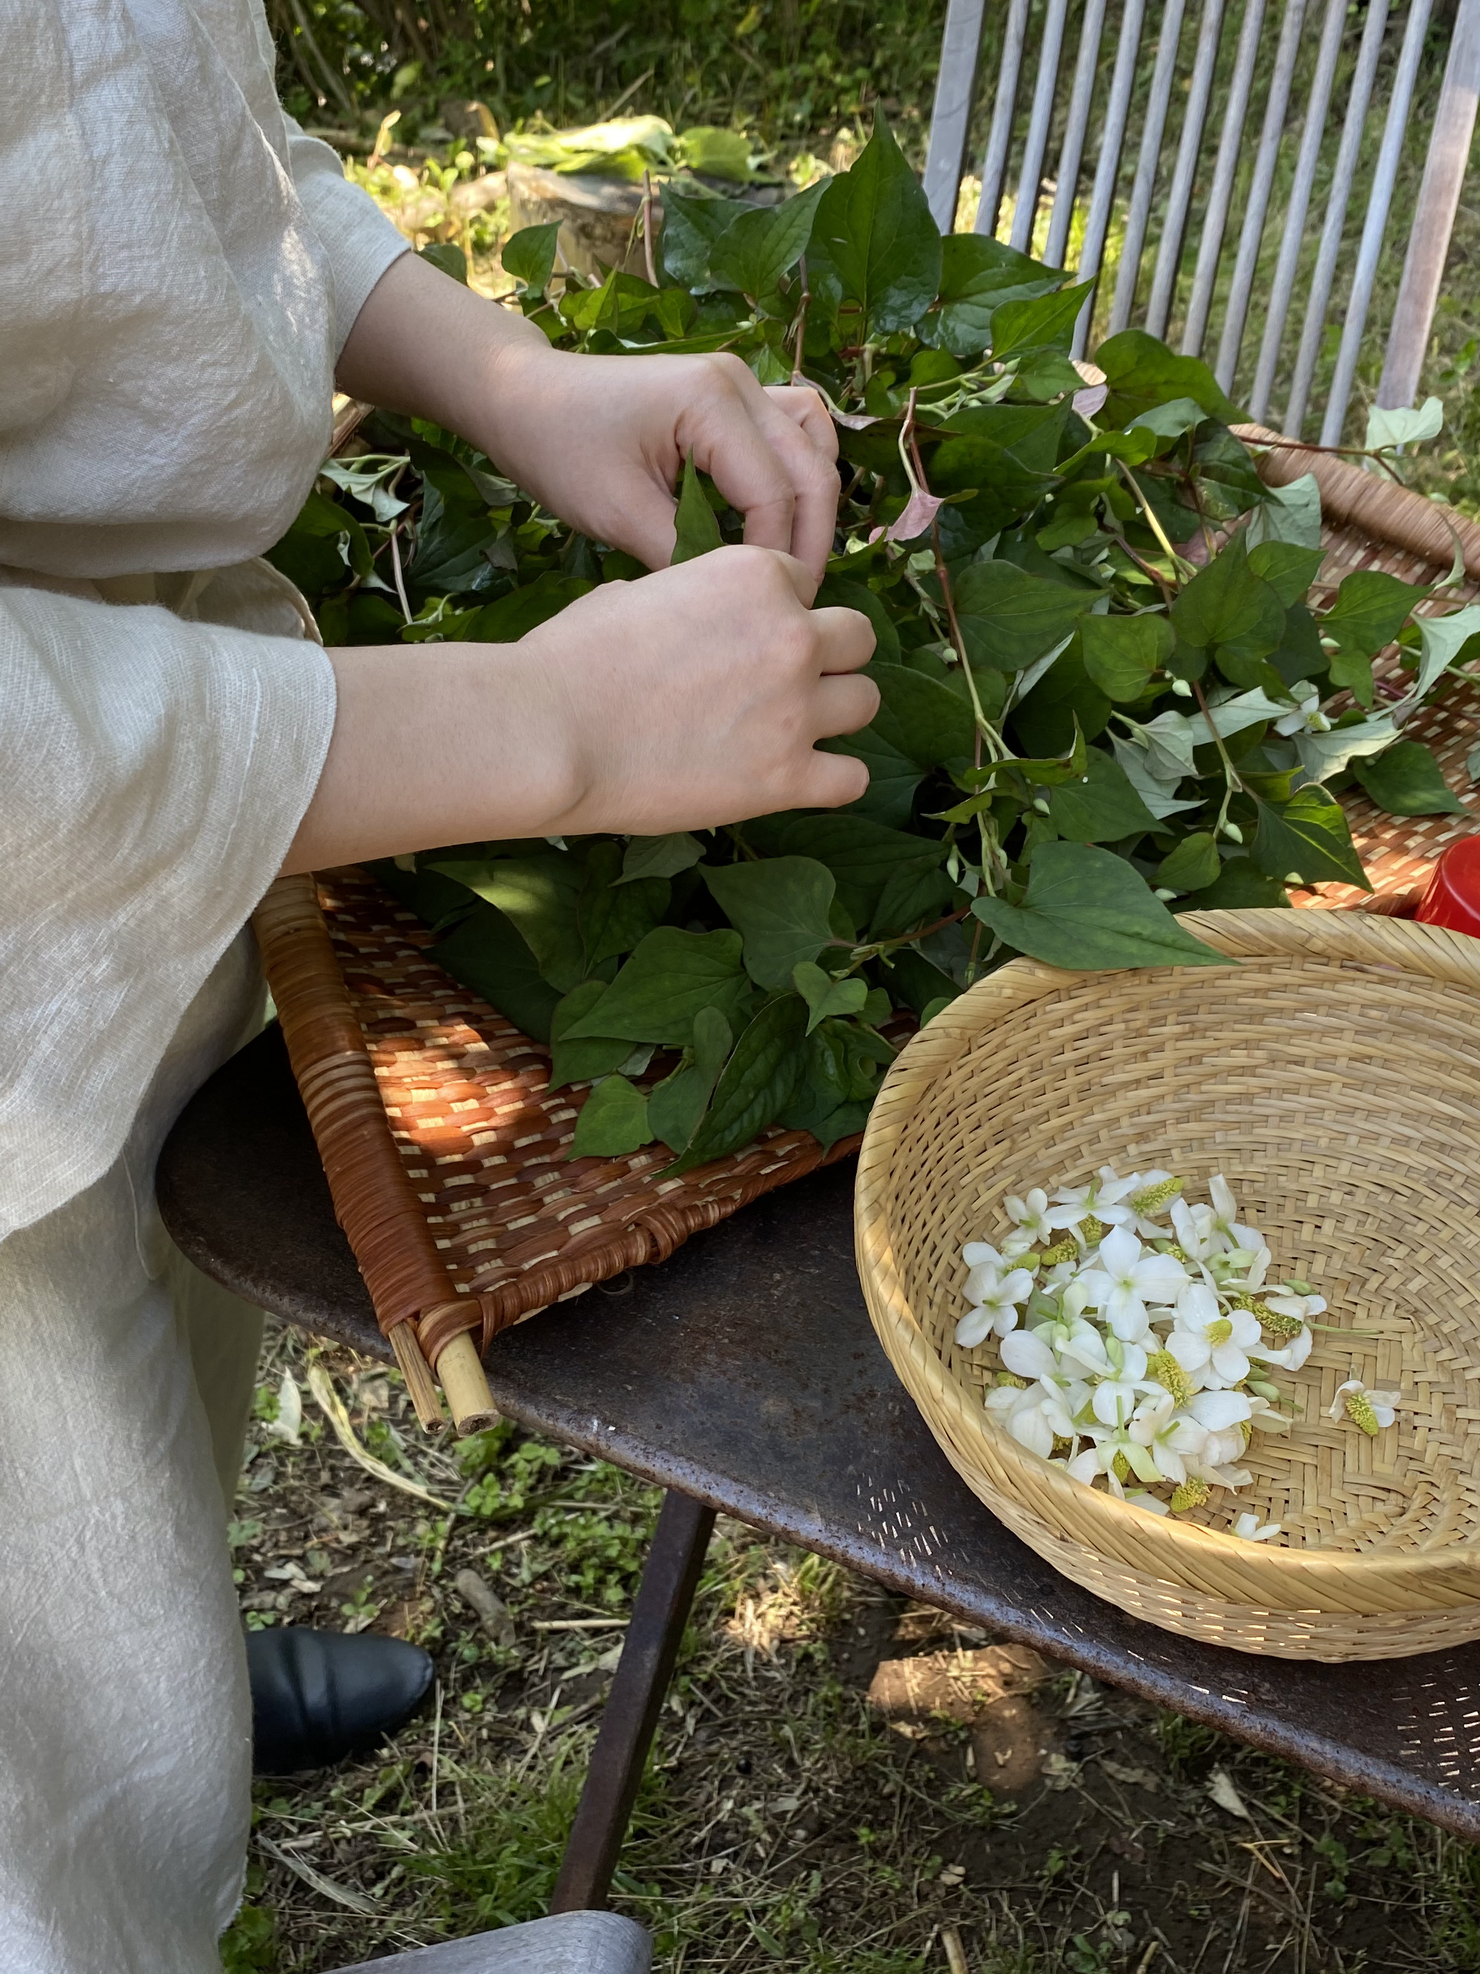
x,y
743,1375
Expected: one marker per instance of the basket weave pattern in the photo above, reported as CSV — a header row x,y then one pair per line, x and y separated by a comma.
x,y
1334,1077
503,1221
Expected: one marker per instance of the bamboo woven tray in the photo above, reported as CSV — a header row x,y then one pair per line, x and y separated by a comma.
x,y
447,1156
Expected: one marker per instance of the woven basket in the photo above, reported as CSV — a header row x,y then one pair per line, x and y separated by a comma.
x,y
1334,1077
447,1154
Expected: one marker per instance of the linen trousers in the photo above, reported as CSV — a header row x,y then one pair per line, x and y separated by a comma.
x,y
125,1719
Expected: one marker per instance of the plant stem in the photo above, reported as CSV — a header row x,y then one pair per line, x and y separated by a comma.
x,y
797,376
647,228
863,954
1231,784
1177,562
396,568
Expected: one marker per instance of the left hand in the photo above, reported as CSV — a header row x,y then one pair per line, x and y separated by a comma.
x,y
602,440
599,440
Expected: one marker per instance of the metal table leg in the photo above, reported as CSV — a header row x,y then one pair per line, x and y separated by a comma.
x,y
661,1610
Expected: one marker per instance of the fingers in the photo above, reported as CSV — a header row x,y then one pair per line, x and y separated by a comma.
x,y
830,781
765,453
847,639
804,407
813,476
844,705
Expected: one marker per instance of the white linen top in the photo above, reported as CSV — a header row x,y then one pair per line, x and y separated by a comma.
x,y
179,267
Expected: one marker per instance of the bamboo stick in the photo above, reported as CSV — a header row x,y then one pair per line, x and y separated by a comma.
x,y
418,1376
464,1384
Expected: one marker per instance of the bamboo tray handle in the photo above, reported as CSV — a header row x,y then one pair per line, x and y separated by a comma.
x,y
373,1200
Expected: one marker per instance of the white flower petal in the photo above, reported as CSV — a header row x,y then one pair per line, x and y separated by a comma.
x,y
1095,1286
1029,1428
1197,1306
1217,1410
974,1327
1126,1314
1152,1503
1159,1278
1230,1364
1189,1347
1028,1356
976,1252
1119,1252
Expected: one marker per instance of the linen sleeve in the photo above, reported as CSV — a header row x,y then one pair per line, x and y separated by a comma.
x,y
153,772
360,241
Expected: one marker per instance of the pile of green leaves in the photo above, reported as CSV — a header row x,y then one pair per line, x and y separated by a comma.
x,y
1093,715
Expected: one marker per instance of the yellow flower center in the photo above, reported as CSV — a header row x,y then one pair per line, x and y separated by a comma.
x,y
1191,1494
1219,1332
1168,1373
1151,1199
1359,1411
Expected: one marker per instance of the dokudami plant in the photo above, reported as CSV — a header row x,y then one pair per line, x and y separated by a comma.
x,y
1106,694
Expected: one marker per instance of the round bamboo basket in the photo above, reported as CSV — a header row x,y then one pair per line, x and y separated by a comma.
x,y
1333,1076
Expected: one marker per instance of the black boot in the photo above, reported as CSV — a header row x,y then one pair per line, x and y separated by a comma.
x,y
318,1696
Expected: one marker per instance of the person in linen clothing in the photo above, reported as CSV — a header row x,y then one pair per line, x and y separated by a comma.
x,y
182,275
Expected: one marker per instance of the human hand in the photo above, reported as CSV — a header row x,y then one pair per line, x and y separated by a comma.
x,y
696,696
599,440
689,699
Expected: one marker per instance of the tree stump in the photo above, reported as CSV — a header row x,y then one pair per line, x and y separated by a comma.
x,y
598,216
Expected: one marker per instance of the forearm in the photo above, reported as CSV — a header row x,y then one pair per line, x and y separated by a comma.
x,y
426,345
444,743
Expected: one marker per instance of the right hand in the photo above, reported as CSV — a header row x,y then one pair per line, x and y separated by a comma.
x,y
691,698
696,696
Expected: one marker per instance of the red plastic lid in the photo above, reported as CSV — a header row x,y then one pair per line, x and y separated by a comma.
x,y
1453,896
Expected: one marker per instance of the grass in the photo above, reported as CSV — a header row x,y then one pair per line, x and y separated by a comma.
x,y
802,78
840,1778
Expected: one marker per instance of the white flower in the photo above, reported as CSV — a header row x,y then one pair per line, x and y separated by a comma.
x,y
1209,1343
1036,1217
1021,1412
1194,1230
1289,1356
1036,1415
1308,717
1224,1414
1015,1245
1266,1417
1169,1434
1243,1267
1101,1197
1252,1530
1127,1279
1110,1443
1083,1346
1284,1302
1116,1396
997,1299
1031,1354
1368,1409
